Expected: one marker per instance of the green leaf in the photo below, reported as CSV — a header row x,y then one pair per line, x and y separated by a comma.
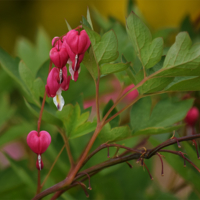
x,y
85,22
34,56
89,18
75,123
162,119
68,26
182,59
22,174
26,75
116,120
186,83
90,63
105,47
113,68
38,87
149,51
118,133
6,110
10,65
15,132
49,115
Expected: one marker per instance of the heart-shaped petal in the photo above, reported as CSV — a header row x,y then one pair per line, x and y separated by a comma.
x,y
38,142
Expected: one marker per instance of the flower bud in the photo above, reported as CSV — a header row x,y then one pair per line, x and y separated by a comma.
x,y
79,42
59,56
56,42
192,116
38,142
132,95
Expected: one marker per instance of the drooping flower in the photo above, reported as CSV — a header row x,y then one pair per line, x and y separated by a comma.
x,y
58,54
38,144
56,82
76,44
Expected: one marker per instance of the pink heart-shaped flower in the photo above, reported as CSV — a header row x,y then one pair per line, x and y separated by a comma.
x,y
38,143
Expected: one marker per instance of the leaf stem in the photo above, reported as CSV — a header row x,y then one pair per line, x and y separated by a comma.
x,y
52,166
71,160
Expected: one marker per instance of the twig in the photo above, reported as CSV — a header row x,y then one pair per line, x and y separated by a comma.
x,y
52,166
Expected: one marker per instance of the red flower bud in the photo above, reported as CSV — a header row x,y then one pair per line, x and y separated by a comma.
x,y
57,79
38,143
132,95
79,42
56,42
192,116
59,56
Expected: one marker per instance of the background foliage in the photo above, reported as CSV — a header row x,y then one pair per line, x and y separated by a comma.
x,y
22,86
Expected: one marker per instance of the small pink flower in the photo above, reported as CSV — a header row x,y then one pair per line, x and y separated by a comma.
x,y
192,116
79,42
76,44
59,56
56,82
38,144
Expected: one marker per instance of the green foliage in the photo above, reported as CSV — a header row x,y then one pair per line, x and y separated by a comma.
x,y
161,119
75,123
149,51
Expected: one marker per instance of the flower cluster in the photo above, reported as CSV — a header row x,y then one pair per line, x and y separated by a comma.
x,y
38,142
69,49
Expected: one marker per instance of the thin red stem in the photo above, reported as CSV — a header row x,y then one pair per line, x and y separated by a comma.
x,y
162,166
147,170
38,129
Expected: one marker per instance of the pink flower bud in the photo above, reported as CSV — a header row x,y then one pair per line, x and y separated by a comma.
x,y
192,116
56,42
57,79
79,42
132,95
59,56
38,143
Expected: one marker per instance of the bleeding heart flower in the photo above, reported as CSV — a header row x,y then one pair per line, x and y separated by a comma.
x,y
76,44
59,56
192,116
56,82
38,144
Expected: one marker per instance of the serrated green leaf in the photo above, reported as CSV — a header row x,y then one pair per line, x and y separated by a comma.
x,y
163,117
149,51
89,18
68,26
182,59
83,129
113,68
105,48
118,133
75,123
115,121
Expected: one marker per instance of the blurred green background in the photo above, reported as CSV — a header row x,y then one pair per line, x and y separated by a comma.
x,y
22,19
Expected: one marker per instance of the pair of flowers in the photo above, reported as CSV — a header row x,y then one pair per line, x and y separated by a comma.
x,y
68,49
